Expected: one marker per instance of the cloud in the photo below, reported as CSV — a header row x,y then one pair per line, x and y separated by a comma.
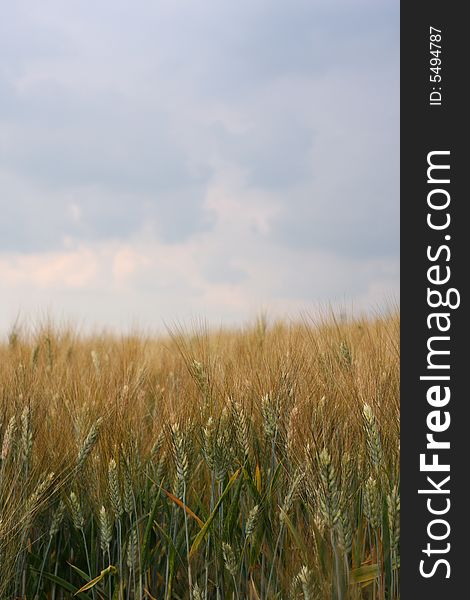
x,y
176,158
225,274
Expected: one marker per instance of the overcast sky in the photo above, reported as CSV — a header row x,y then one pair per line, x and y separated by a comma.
x,y
165,160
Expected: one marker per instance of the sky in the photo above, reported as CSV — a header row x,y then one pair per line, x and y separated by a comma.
x,y
167,160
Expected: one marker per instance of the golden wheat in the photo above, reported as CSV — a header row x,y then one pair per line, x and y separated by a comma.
x,y
255,463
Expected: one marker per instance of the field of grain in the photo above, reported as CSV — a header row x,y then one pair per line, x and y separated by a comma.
x,y
260,462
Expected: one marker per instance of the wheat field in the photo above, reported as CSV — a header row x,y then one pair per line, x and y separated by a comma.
x,y
260,462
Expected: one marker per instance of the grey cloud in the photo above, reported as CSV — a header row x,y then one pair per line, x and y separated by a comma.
x,y
117,117
274,153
